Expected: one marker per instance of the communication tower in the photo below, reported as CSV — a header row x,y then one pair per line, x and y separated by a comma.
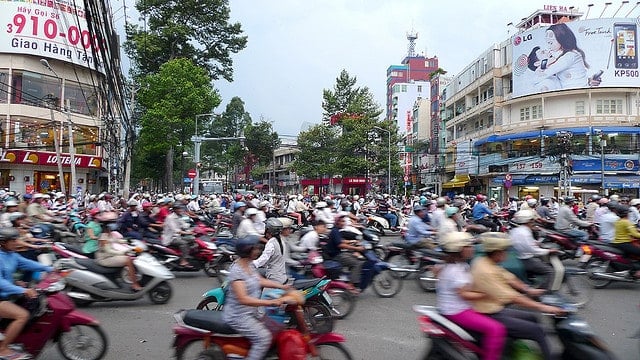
x,y
412,36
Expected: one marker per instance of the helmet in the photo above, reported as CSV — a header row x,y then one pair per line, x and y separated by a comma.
x,y
11,202
622,210
614,197
27,196
273,225
238,197
453,242
524,216
532,202
451,210
356,197
286,222
8,233
441,201
595,197
251,212
528,197
603,201
569,199
94,212
147,205
418,208
634,202
238,205
263,203
480,197
16,215
132,202
330,203
321,204
245,245
494,241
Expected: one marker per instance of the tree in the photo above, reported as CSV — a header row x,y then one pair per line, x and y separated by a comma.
x,y
261,141
194,29
172,98
349,101
317,152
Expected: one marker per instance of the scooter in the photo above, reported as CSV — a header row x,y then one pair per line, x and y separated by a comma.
x,y
201,257
204,335
317,307
450,341
418,261
90,282
54,317
605,264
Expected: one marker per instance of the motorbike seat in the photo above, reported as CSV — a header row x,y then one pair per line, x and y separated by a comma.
x,y
432,253
93,266
401,245
305,283
608,248
208,320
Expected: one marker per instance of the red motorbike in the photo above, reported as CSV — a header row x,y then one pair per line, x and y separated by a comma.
x,y
201,256
202,334
54,317
605,263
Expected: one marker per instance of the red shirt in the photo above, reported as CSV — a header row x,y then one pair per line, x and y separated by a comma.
x,y
162,214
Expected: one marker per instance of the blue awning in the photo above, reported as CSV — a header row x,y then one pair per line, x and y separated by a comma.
x,y
515,179
552,132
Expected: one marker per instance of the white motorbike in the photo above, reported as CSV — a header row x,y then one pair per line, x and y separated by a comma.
x,y
90,282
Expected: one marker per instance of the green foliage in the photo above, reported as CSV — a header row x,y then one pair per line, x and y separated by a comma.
x,y
261,141
194,29
346,98
317,152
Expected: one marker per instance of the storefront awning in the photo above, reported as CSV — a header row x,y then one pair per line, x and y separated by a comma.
x,y
515,179
457,181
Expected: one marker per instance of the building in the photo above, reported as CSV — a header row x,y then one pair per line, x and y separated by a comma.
x,y
517,123
53,94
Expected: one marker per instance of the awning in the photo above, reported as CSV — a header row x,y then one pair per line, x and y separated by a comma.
x,y
515,179
552,132
457,181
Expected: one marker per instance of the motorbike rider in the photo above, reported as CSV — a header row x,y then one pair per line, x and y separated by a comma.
x,y
238,215
246,226
543,210
480,212
92,234
243,298
385,209
146,224
438,215
129,221
419,232
273,255
10,206
292,207
529,252
626,233
566,217
174,233
324,214
10,290
311,240
36,211
502,288
340,250
607,221
634,214
106,255
592,206
454,293
450,223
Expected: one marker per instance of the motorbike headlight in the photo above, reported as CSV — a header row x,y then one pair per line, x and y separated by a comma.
x,y
211,246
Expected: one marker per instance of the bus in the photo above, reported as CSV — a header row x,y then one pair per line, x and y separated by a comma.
x,y
211,186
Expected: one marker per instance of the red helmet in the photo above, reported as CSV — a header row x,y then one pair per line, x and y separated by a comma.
x,y
238,197
94,212
480,197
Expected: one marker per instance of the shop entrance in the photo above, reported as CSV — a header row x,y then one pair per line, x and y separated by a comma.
x,y
49,181
529,190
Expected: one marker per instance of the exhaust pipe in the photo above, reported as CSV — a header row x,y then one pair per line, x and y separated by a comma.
x,y
80,296
611,277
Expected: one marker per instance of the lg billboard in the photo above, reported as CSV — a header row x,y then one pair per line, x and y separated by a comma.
x,y
579,54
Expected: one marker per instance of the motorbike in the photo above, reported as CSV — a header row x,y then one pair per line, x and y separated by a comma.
x,y
54,317
417,261
225,256
605,264
90,282
450,341
317,307
201,257
204,335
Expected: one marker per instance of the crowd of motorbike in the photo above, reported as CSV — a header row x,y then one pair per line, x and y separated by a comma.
x,y
304,324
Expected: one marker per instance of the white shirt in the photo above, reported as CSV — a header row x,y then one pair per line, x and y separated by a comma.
x,y
273,259
451,278
245,228
634,215
437,218
259,224
608,226
310,240
524,243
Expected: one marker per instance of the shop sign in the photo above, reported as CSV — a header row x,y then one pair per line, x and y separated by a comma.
x,y
25,157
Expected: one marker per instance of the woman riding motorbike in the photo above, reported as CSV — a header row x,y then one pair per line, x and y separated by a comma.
x,y
626,233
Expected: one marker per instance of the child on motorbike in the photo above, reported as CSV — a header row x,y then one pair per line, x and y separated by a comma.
x,y
9,291
243,299
454,293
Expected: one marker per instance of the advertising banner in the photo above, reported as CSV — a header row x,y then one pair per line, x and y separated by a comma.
x,y
49,159
609,165
579,54
50,29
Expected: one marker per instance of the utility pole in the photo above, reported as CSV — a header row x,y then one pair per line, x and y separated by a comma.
x,y
197,143
72,148
56,144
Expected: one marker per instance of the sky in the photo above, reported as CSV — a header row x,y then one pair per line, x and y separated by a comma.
x,y
297,48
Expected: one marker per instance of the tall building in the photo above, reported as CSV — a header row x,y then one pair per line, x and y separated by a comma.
x,y
60,96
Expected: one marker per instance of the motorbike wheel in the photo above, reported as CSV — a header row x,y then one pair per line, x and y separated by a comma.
x,y
386,284
343,303
380,229
400,260
426,285
379,252
192,350
161,293
212,353
222,266
318,316
333,351
209,303
597,265
577,290
83,342
210,269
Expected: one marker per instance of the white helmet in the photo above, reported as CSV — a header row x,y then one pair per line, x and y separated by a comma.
x,y
524,216
532,202
250,212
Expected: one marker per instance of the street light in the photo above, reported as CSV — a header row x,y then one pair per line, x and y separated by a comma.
x,y
184,155
72,149
388,159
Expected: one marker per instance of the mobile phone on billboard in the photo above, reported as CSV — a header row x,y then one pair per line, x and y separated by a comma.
x,y
543,64
626,44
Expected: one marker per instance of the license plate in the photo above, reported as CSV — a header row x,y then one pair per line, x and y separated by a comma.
x,y
584,258
327,297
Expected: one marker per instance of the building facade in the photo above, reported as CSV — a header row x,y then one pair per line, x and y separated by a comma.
x,y
522,119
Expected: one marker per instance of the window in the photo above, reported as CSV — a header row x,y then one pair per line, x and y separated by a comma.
x,y
525,114
579,108
4,86
419,88
396,88
536,112
33,89
609,106
82,99
404,88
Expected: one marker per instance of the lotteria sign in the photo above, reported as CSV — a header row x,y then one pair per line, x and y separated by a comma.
x,y
50,29
24,157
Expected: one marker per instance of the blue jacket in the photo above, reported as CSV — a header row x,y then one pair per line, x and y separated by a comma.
x,y
417,230
9,263
480,210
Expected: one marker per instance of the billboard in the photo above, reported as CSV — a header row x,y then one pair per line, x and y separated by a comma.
x,y
49,29
579,54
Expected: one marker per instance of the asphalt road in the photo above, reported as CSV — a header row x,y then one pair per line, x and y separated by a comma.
x,y
377,329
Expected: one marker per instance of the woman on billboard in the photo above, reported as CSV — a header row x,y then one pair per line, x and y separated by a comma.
x,y
563,63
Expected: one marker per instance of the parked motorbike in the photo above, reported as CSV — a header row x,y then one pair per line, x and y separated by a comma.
x,y
450,341
78,335
201,257
90,282
317,307
605,264
204,335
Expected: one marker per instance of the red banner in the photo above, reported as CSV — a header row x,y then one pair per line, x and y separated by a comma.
x,y
49,159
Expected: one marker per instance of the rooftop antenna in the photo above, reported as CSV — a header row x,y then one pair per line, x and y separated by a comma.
x,y
412,36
